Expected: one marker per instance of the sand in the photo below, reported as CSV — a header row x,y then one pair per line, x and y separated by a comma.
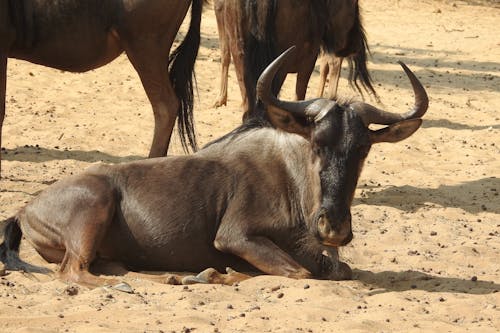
x,y
426,215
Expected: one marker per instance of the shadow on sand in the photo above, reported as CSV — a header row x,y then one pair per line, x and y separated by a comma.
x,y
388,281
474,197
40,155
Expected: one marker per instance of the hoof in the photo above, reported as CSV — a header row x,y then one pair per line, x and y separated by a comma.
x,y
219,103
191,279
341,272
123,287
209,275
173,280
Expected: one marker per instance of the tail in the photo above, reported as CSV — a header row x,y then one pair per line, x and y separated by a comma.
x,y
9,249
181,72
358,71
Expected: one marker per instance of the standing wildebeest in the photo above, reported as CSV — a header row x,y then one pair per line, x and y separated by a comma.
x,y
256,198
80,35
253,33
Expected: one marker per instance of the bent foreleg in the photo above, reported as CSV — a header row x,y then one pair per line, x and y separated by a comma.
x,y
262,253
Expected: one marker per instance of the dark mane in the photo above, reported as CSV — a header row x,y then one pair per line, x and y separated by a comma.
x,y
357,64
181,73
249,124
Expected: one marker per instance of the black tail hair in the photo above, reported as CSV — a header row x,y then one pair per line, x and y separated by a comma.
x,y
181,73
9,249
358,71
12,238
359,77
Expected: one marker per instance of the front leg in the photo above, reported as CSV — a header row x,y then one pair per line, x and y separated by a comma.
x,y
333,268
262,253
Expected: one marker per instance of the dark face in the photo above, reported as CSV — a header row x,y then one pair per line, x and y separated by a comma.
x,y
340,138
342,142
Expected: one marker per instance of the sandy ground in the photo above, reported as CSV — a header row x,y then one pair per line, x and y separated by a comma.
x,y
426,216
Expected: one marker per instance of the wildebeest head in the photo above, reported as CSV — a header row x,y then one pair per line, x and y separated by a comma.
x,y
340,138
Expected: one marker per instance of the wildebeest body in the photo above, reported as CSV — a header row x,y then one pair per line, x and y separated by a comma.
x,y
258,197
56,37
152,227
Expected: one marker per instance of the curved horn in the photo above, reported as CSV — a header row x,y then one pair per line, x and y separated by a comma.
x,y
373,115
264,91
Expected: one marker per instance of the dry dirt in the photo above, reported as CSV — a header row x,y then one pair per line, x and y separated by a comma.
x,y
426,215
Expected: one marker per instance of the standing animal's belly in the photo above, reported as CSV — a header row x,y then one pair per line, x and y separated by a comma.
x,y
75,53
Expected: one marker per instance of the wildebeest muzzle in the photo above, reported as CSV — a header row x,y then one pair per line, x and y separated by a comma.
x,y
334,231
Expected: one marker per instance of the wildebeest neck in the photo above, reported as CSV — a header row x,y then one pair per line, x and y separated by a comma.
x,y
279,155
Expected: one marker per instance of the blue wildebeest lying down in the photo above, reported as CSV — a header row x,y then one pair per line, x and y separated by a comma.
x,y
258,198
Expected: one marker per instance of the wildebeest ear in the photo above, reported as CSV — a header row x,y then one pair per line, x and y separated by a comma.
x,y
396,132
289,122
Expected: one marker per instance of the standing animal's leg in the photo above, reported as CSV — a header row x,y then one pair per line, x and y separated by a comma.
x,y
151,64
225,55
236,47
303,76
335,66
147,32
323,73
3,87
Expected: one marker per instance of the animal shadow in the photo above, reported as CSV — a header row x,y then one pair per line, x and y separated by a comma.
x,y
388,281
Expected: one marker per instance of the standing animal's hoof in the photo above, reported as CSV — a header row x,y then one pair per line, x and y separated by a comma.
x,y
124,287
2,269
219,102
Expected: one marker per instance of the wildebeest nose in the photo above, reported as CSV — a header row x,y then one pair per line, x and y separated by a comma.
x,y
348,239
334,234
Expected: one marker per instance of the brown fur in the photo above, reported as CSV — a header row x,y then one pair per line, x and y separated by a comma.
x,y
259,198
80,35
253,33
